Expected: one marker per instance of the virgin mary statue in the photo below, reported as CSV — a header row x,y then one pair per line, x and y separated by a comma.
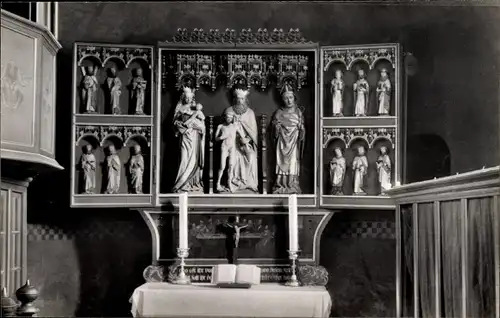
x,y
189,126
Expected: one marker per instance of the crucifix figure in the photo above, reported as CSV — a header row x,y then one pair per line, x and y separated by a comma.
x,y
232,229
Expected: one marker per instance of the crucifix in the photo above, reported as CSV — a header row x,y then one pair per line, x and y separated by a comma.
x,y
232,230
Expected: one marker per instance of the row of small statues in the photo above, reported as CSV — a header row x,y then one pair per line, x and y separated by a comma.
x,y
113,84
360,167
112,171
238,137
361,94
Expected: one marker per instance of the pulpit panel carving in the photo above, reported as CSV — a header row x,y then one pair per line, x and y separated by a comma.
x,y
47,110
19,80
27,93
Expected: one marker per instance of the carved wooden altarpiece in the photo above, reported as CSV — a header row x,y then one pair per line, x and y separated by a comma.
x,y
213,63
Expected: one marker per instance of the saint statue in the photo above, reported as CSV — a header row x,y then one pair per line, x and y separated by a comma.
x,y
384,93
360,167
113,169
136,170
88,165
189,126
337,171
289,137
115,90
226,134
384,170
361,93
337,90
89,89
232,230
138,91
244,174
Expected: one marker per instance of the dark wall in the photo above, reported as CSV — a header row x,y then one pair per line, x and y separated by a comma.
x,y
454,95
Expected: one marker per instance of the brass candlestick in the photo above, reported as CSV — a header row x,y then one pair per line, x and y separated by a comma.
x,y
182,278
293,281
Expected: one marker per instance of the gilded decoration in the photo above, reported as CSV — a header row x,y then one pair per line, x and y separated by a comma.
x,y
349,56
142,132
246,36
105,53
124,134
349,135
237,69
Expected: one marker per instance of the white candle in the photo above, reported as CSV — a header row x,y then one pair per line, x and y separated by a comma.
x,y
293,223
183,220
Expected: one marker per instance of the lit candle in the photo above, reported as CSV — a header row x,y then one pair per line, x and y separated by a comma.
x,y
183,220
293,223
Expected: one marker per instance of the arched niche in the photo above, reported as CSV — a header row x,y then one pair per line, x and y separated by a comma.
x,y
328,154
90,60
428,157
83,142
83,64
129,145
376,146
114,60
238,80
138,60
104,77
131,70
88,138
348,78
117,142
373,77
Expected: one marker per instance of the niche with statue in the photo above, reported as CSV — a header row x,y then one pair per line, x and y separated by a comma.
x,y
113,80
112,163
238,121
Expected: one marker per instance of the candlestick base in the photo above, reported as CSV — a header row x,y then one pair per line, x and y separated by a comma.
x,y
293,281
182,278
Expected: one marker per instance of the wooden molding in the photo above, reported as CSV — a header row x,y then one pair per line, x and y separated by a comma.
x,y
483,182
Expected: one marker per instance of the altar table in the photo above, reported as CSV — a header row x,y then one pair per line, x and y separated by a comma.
x,y
204,300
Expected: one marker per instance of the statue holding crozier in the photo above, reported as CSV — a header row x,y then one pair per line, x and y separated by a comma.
x,y
289,137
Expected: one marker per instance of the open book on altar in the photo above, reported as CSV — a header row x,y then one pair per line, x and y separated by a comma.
x,y
230,275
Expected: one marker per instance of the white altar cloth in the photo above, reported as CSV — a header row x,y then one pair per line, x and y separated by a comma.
x,y
265,300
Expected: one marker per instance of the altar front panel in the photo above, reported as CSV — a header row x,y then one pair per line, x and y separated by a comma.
x,y
269,300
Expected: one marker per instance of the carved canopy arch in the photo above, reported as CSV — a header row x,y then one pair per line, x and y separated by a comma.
x,y
89,133
356,138
89,52
141,134
115,54
332,139
110,133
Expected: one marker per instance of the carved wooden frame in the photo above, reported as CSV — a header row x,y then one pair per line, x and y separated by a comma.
x,y
370,128
231,42
122,126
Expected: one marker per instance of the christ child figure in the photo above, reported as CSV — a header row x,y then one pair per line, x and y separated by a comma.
x,y
197,114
